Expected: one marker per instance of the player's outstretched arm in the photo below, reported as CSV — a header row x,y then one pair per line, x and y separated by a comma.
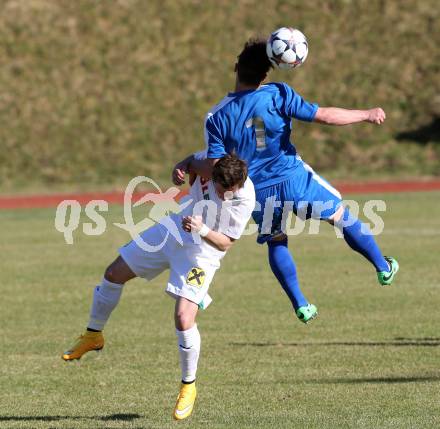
x,y
194,224
200,167
180,169
339,116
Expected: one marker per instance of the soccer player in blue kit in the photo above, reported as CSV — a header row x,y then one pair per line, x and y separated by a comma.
x,y
255,121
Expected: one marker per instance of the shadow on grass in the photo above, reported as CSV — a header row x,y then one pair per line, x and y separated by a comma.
x,y
112,417
396,342
375,380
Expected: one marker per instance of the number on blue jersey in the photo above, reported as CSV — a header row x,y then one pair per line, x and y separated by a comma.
x,y
260,132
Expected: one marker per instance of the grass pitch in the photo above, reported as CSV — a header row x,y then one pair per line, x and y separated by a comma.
x,y
371,359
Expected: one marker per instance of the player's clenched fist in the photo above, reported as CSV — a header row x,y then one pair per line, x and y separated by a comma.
x,y
192,223
376,115
178,175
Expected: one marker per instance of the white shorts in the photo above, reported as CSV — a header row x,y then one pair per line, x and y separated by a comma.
x,y
190,274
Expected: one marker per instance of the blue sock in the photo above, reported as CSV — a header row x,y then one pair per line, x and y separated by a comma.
x,y
360,239
283,267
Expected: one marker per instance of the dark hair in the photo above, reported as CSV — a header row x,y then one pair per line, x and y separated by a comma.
x,y
230,171
253,63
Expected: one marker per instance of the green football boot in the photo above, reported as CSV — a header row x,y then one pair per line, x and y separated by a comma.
x,y
306,313
386,277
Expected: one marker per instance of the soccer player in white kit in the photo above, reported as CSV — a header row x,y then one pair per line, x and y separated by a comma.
x,y
215,215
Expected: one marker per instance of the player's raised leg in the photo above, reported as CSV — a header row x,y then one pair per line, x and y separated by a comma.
x,y
105,298
269,220
358,236
284,269
188,341
325,203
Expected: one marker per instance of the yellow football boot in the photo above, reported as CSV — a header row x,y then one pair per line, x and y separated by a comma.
x,y
85,343
185,401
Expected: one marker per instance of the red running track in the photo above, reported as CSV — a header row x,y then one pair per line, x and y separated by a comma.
x,y
52,200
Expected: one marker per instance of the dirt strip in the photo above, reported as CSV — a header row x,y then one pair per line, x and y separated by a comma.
x,y
52,200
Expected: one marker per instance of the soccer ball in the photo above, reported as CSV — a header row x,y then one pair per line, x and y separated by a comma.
x,y
287,48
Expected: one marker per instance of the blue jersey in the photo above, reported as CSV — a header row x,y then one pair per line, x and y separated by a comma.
x,y
257,124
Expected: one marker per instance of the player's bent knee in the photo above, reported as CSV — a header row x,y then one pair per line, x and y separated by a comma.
x,y
110,275
337,216
185,312
118,272
184,320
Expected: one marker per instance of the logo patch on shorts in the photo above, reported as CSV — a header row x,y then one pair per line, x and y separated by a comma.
x,y
195,277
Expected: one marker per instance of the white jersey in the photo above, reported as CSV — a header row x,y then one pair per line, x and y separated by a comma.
x,y
228,217
192,261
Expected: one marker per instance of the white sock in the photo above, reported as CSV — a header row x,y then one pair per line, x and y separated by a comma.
x,y
189,349
105,299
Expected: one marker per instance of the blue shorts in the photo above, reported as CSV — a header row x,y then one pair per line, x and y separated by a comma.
x,y
305,193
